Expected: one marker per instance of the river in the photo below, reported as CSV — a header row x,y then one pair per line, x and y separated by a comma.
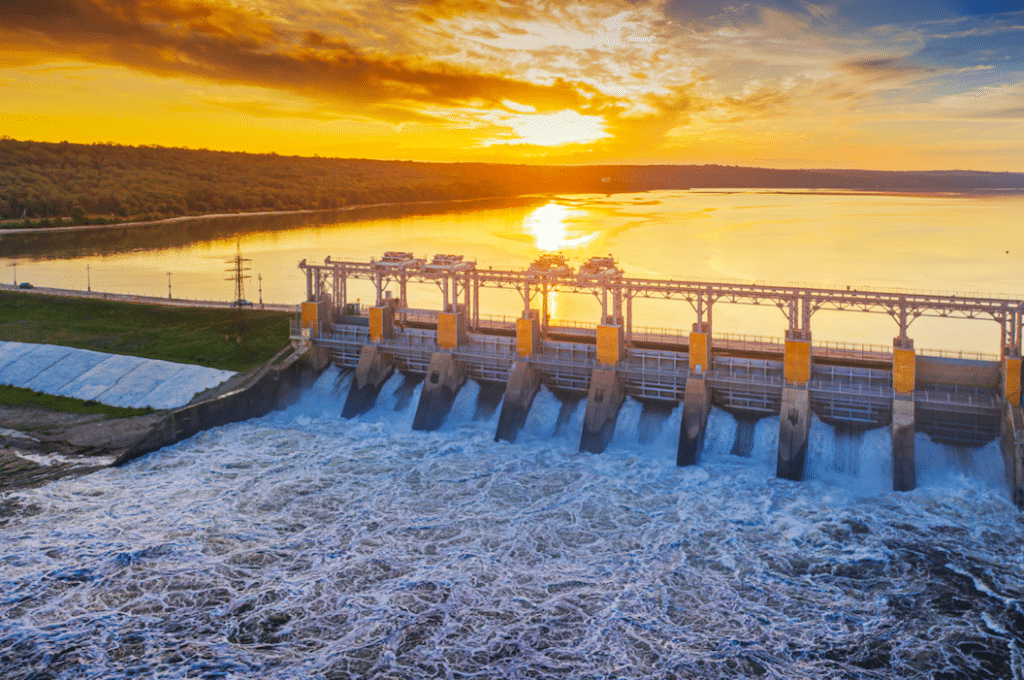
x,y
298,545
948,243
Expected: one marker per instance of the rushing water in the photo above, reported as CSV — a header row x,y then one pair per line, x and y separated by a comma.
x,y
301,546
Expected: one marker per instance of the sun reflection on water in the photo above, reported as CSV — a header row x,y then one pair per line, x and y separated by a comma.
x,y
547,225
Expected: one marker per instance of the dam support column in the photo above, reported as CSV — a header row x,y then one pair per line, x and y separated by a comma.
x,y
904,368
315,315
1012,427
446,375
375,366
607,391
795,414
523,380
696,399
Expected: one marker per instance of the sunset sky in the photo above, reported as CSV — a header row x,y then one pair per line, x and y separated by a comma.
x,y
875,84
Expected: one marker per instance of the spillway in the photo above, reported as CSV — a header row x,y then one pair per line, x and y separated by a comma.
x,y
301,545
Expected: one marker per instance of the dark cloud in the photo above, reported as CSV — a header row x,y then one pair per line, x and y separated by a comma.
x,y
886,68
221,42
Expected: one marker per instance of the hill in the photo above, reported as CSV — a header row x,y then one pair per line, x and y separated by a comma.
x,y
83,181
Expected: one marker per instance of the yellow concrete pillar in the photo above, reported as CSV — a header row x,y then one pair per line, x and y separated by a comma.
x,y
700,352
904,370
1011,380
311,317
611,344
797,360
527,336
382,323
451,329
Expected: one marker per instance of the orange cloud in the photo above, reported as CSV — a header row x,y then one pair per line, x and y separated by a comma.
x,y
568,81
221,42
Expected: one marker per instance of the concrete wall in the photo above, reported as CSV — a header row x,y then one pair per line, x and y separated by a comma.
x,y
520,390
794,426
696,407
276,385
445,377
607,392
904,470
957,372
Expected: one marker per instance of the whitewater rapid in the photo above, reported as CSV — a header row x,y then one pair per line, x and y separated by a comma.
x,y
300,545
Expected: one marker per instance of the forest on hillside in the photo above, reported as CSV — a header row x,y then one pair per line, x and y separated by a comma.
x,y
99,183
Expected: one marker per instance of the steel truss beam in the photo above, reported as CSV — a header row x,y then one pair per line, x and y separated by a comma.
x,y
798,303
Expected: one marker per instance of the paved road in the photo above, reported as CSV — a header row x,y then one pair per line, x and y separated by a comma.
x,y
143,299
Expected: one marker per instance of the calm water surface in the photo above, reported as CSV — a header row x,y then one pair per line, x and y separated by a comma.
x,y
947,243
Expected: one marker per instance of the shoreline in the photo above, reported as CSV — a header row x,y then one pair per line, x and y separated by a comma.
x,y
145,299
4,230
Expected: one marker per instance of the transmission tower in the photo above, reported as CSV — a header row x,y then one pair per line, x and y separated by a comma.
x,y
239,267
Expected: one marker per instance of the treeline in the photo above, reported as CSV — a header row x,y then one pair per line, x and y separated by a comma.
x,y
92,183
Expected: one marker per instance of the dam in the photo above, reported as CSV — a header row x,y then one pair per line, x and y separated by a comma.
x,y
961,400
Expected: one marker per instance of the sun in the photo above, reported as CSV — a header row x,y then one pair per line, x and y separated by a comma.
x,y
547,129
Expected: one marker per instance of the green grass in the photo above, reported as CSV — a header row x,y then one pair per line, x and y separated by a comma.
x,y
182,334
20,396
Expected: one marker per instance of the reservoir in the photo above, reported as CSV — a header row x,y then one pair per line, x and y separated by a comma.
x,y
924,242
302,545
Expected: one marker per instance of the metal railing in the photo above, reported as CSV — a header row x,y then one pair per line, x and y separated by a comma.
x,y
843,393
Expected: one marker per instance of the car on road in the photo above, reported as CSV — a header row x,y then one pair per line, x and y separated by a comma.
x,y
25,284
241,303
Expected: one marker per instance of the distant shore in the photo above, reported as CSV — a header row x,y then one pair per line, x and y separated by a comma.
x,y
5,229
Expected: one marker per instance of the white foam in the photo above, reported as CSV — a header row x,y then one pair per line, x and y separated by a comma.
x,y
361,548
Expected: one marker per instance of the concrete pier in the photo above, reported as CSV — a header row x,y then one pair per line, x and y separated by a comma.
x,y
451,329
373,370
445,377
527,335
697,397
904,380
1012,445
696,407
794,426
904,471
604,399
520,391
315,315
382,323
795,410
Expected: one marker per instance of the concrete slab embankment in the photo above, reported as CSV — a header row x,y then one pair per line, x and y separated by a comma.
x,y
111,379
275,385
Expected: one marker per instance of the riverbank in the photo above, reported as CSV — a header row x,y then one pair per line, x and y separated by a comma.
x,y
41,441
6,228
38,445
145,328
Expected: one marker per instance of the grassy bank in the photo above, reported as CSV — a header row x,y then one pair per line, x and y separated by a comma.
x,y
20,396
181,334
